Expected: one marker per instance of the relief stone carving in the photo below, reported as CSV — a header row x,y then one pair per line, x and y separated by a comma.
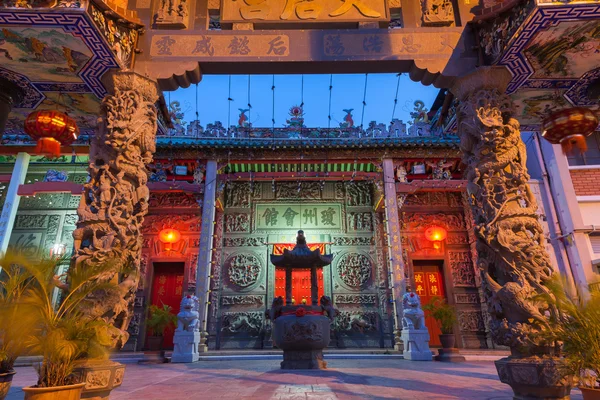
x,y
353,241
306,332
249,322
437,12
244,241
510,239
360,221
172,14
358,194
134,324
243,269
462,268
354,269
471,321
356,321
416,221
31,221
115,200
466,298
172,200
291,190
355,299
237,222
241,300
182,222
238,195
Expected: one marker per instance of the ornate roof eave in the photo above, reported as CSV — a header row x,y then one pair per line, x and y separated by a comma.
x,y
446,142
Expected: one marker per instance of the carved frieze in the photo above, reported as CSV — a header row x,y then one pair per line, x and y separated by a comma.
x,y
418,221
134,324
356,321
293,190
353,240
437,12
466,298
306,331
31,221
358,194
237,195
457,238
182,222
339,190
244,241
355,299
242,300
172,14
471,321
360,221
237,222
249,322
70,219
173,200
461,268
243,269
354,269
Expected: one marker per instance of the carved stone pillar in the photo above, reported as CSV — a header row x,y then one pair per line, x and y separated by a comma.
x,y
394,247
510,241
115,200
205,253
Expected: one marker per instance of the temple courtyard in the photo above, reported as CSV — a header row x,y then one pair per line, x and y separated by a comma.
x,y
344,380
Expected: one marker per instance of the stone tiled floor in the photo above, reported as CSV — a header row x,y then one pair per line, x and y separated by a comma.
x,y
345,379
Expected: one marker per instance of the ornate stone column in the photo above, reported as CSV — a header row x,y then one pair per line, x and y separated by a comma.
x,y
510,243
205,252
394,247
11,202
115,200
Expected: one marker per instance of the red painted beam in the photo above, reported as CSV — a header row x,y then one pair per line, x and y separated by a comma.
x,y
174,187
301,176
31,189
80,150
5,178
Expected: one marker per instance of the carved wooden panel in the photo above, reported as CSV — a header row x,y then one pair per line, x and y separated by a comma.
x,y
461,267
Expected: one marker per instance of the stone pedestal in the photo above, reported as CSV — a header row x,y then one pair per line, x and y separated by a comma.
x,y
535,378
100,377
303,359
416,345
186,347
449,355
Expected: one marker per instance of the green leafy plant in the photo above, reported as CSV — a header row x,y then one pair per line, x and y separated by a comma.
x,y
14,282
443,313
66,332
577,326
160,319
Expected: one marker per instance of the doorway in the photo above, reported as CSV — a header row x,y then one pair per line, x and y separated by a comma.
x,y
428,284
167,289
301,285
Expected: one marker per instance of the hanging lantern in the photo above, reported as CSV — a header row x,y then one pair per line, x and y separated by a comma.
x,y
51,129
569,128
435,234
169,236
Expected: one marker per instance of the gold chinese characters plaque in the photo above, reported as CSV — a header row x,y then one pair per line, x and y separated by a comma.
x,y
304,11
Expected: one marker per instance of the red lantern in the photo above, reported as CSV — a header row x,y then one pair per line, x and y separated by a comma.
x,y
51,129
570,127
436,233
169,236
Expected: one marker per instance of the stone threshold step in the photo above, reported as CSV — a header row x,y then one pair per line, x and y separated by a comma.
x,y
328,356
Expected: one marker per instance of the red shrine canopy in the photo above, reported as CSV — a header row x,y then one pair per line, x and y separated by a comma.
x,y
300,277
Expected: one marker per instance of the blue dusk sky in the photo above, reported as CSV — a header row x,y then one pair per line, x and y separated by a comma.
x,y
348,91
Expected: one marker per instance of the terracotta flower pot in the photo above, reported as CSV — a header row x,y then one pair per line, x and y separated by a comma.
x,y
69,392
5,381
590,394
448,340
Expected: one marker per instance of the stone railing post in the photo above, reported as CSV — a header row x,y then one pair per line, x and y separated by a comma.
x,y
115,200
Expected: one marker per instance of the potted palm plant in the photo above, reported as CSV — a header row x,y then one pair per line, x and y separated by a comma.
x,y
159,320
13,283
577,326
63,333
445,316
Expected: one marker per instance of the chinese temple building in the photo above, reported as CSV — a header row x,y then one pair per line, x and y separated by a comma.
x,y
400,207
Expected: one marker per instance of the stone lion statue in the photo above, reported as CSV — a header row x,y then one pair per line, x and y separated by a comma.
x,y
275,310
414,317
327,307
187,319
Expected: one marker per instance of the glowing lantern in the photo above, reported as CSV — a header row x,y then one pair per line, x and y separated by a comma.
x,y
58,250
569,128
169,236
51,129
436,234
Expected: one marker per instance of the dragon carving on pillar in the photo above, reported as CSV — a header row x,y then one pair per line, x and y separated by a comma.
x,y
510,242
115,200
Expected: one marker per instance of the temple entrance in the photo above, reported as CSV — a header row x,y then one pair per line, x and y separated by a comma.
x,y
429,284
167,288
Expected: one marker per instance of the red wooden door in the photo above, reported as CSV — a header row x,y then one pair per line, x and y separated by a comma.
x,y
429,284
300,284
167,288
